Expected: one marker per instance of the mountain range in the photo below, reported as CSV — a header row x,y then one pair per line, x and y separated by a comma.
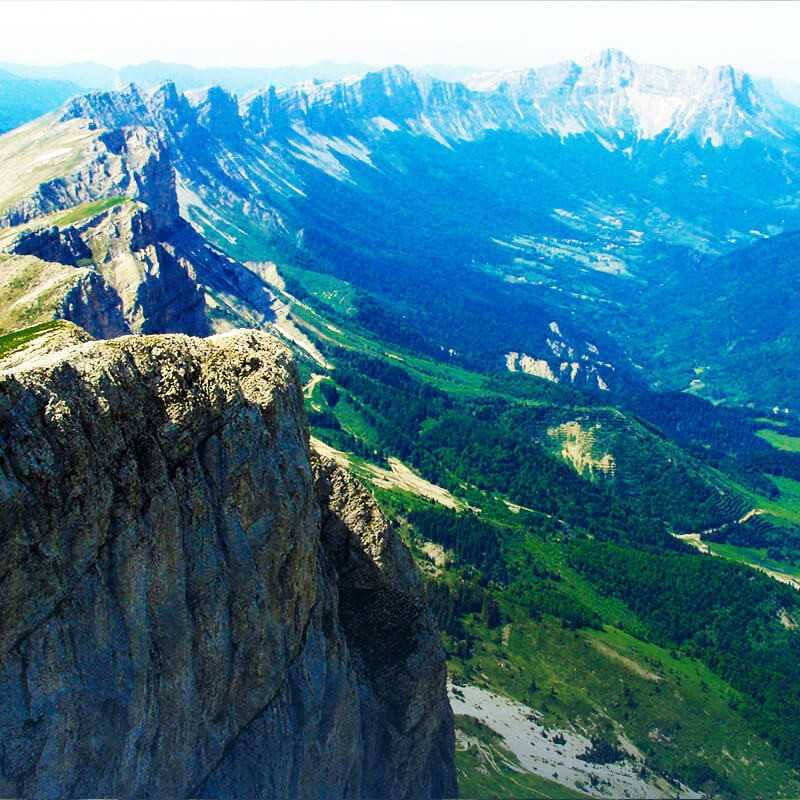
x,y
548,316
558,197
28,91
90,75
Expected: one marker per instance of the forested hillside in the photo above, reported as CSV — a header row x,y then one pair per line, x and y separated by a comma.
x,y
558,575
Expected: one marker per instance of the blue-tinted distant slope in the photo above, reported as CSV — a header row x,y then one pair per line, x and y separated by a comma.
x,y
86,73
25,99
734,325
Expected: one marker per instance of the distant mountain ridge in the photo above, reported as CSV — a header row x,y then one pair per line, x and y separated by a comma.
x,y
27,92
609,96
546,205
613,95
613,98
23,99
185,76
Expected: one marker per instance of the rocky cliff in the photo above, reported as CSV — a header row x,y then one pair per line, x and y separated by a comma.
x,y
112,252
192,603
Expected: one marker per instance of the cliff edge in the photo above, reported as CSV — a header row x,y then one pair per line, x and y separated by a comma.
x,y
191,602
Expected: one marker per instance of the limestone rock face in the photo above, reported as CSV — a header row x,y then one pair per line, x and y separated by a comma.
x,y
130,162
155,280
93,305
105,200
52,244
191,604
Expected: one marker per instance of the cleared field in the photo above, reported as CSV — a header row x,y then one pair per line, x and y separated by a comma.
x,y
781,441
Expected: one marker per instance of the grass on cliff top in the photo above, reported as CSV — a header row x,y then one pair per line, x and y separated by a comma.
x,y
86,211
16,339
62,219
32,290
39,152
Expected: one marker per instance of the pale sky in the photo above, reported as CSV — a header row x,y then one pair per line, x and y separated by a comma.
x,y
758,36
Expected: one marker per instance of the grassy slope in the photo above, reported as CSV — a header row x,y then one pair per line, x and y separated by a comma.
x,y
781,441
683,719
10,342
39,152
675,710
31,290
788,505
86,211
752,555
783,509
62,219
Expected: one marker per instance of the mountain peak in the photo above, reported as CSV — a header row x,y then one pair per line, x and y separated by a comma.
x,y
728,76
166,96
610,97
217,110
396,73
611,57
612,68
211,95
127,106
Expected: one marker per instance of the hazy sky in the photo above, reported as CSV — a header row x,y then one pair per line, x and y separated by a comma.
x,y
758,36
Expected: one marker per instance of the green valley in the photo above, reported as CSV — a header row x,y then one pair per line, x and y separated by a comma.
x,y
538,568
548,318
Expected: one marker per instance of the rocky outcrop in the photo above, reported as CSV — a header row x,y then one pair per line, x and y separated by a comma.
x,y
126,162
53,244
95,306
33,291
157,282
188,607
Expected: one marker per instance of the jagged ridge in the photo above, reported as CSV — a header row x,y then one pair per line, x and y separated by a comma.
x,y
610,97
